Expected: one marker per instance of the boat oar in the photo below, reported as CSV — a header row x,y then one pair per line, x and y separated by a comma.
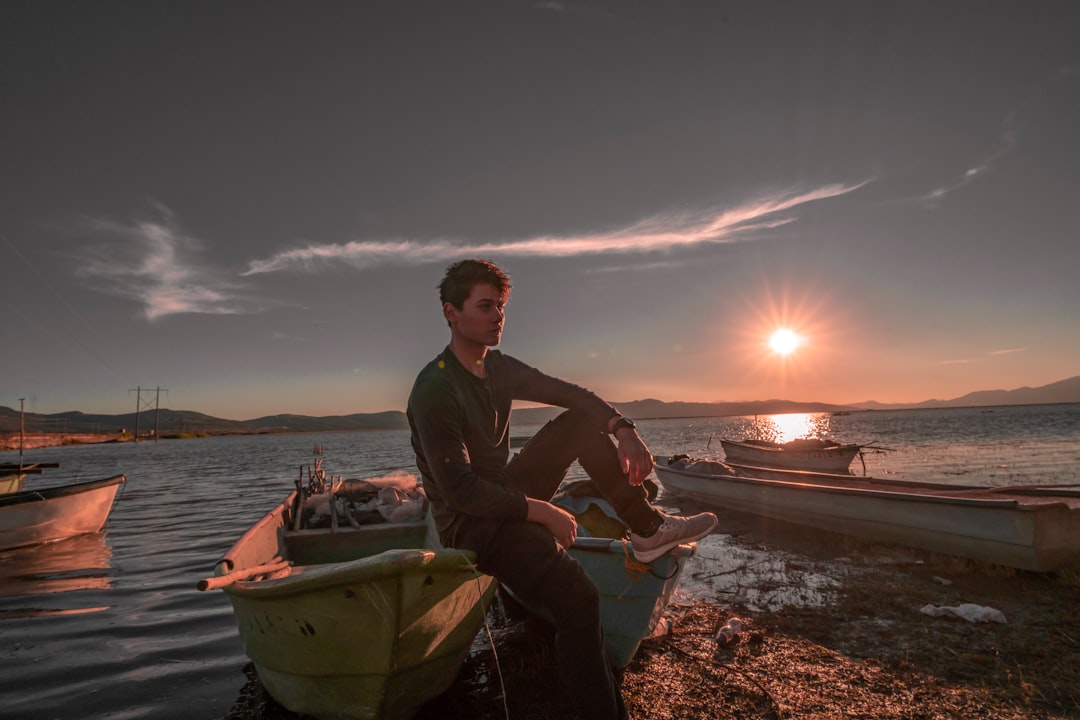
x,y
243,574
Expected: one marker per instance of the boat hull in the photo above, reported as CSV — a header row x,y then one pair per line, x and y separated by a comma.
x,y
836,459
1038,531
632,596
30,517
10,483
370,622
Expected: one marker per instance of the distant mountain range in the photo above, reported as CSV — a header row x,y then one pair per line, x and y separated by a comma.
x,y
1063,391
171,422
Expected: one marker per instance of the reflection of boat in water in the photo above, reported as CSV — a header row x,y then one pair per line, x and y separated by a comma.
x,y
43,579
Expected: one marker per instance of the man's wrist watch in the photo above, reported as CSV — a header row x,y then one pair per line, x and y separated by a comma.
x,y
622,422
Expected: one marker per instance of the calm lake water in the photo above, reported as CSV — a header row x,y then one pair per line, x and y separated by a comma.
x,y
111,625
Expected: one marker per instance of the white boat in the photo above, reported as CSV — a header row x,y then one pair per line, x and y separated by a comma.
x,y
29,517
10,482
802,454
53,570
13,474
1027,527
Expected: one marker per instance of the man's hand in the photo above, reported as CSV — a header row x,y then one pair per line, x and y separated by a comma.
x,y
634,456
561,524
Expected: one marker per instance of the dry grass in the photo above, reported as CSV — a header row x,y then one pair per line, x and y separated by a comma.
x,y
33,441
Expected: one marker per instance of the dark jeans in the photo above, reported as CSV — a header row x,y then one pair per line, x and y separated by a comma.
x,y
525,558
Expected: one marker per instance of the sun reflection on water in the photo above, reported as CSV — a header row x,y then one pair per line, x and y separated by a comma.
x,y
789,426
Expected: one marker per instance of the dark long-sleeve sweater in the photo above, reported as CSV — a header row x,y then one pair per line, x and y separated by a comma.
x,y
460,431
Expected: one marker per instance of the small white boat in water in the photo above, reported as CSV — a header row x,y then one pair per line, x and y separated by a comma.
x,y
802,454
13,474
1028,527
29,517
10,482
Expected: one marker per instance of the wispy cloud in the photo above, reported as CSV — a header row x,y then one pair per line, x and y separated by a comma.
x,y
989,353
564,8
156,264
1006,144
1012,127
658,233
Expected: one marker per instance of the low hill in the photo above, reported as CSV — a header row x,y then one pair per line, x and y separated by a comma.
x,y
1063,391
168,422
185,421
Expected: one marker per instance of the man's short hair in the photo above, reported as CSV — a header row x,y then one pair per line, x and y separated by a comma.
x,y
463,275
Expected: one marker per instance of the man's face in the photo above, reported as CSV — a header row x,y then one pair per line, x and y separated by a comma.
x,y
480,319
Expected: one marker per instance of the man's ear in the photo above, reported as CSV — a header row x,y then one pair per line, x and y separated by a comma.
x,y
449,312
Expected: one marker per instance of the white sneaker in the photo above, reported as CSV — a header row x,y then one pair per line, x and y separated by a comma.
x,y
673,531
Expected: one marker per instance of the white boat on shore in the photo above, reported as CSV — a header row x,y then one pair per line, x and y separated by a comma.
x,y
803,454
1027,527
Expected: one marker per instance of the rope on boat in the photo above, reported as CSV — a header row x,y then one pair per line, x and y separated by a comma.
x,y
636,570
490,635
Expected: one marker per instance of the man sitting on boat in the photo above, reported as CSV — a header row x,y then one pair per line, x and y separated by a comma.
x,y
459,412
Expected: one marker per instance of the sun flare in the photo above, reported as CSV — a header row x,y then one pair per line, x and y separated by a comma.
x,y
784,341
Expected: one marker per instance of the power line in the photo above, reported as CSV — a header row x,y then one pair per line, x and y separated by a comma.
x,y
139,404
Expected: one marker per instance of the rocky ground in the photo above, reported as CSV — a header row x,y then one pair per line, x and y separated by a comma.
x,y
848,641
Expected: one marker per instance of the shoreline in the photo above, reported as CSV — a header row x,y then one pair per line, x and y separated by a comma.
x,y
863,648
36,441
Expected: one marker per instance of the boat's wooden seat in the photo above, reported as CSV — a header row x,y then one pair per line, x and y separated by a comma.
x,y
306,547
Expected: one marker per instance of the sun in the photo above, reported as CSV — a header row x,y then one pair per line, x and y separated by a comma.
x,y
784,341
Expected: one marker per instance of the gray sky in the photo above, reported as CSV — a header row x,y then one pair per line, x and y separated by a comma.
x,y
251,203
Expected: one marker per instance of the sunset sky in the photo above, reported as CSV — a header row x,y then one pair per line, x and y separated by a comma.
x,y
249,204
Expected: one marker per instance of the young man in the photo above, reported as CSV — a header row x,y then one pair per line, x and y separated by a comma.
x,y
459,412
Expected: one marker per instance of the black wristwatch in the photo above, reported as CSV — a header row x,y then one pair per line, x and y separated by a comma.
x,y
621,423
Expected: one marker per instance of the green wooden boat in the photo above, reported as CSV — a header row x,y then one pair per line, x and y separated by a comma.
x,y
352,622
371,621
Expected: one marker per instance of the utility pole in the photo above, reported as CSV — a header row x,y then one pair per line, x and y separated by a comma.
x,y
22,433
139,406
